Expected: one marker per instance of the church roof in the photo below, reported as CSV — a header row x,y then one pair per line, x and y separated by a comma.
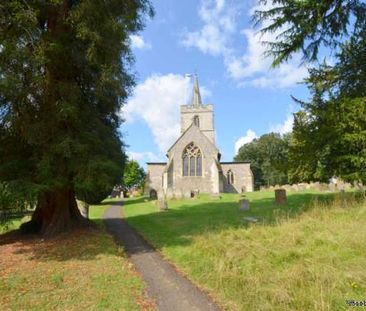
x,y
196,95
156,163
236,162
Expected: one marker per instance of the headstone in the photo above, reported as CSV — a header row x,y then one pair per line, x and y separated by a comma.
x,y
280,196
250,219
194,193
243,205
153,194
83,208
163,205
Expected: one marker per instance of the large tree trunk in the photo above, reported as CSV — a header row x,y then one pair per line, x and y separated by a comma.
x,y
56,212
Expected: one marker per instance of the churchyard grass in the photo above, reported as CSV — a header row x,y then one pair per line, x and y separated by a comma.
x,y
81,270
307,255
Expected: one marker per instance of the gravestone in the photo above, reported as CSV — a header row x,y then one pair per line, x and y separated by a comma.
x,y
153,194
163,205
280,196
195,193
83,208
250,219
243,205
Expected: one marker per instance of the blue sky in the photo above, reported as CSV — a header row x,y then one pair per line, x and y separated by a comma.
x,y
215,39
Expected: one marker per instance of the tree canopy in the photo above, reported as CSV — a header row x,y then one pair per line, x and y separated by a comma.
x,y
133,175
65,73
268,158
330,132
305,26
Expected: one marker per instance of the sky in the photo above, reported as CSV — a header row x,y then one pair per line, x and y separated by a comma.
x,y
217,40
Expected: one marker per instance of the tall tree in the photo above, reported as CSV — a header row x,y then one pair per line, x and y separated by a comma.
x,y
268,158
133,175
305,26
64,76
329,134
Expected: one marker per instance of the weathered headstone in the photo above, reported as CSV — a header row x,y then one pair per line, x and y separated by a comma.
x,y
153,194
280,196
251,219
83,208
195,193
163,205
243,205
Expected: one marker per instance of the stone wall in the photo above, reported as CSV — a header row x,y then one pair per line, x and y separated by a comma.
x,y
243,177
206,119
209,181
314,186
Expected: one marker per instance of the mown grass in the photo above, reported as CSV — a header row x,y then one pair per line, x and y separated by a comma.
x,y
307,255
81,270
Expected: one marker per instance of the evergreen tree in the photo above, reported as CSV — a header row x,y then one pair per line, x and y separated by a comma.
x,y
64,68
307,25
329,134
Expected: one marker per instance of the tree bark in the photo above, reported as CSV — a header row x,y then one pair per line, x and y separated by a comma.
x,y
56,212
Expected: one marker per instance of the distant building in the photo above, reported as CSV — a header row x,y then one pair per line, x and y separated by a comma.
x,y
194,161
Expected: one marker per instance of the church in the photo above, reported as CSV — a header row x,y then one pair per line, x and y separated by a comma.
x,y
193,161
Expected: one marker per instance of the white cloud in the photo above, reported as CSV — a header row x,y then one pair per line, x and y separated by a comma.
x,y
143,157
156,101
219,24
138,42
247,138
254,68
250,67
285,127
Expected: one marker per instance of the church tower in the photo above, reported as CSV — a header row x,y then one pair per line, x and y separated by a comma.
x,y
198,114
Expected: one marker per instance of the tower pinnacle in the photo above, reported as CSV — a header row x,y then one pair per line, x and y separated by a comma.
x,y
196,96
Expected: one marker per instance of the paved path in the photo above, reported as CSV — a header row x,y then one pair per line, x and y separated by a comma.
x,y
170,290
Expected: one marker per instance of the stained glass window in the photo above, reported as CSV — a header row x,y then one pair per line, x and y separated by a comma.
x,y
230,177
185,166
192,161
199,166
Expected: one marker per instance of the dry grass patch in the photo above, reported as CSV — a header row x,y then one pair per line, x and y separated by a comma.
x,y
79,270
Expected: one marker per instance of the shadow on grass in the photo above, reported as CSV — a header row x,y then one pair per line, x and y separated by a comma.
x,y
189,218
176,227
80,243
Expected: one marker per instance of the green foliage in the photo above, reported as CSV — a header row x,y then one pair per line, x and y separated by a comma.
x,y
65,74
285,256
15,201
134,175
330,133
268,158
307,25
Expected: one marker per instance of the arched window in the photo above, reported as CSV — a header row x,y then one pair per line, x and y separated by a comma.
x,y
230,177
192,161
196,121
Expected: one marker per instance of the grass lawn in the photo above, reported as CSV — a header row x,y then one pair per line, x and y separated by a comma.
x,y
307,255
82,270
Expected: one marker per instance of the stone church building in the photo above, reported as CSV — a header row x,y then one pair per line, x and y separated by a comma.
x,y
193,164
